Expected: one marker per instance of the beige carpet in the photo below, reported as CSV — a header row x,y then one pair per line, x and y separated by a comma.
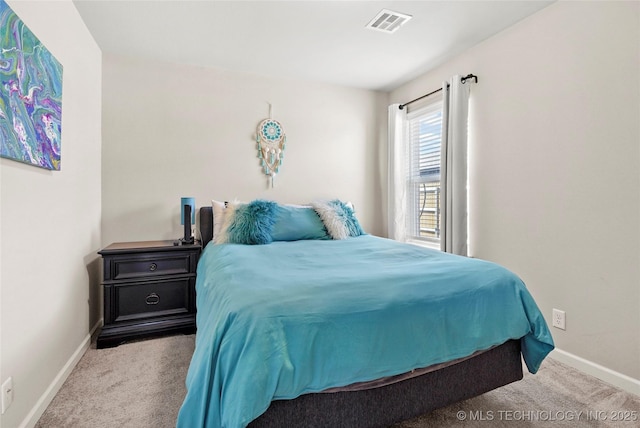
x,y
137,385
141,384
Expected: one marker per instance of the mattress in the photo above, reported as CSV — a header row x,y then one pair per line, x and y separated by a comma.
x,y
390,380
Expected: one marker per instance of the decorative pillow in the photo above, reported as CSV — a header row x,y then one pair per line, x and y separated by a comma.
x,y
338,218
297,222
249,224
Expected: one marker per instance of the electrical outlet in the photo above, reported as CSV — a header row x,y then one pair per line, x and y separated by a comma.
x,y
7,394
559,319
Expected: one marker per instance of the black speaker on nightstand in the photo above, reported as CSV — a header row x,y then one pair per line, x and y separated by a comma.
x,y
187,218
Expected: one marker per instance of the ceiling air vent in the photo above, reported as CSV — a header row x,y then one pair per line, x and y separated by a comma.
x,y
388,21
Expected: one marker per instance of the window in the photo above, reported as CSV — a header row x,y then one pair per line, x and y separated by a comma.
x,y
423,181
428,191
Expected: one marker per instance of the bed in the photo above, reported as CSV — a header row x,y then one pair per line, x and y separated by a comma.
x,y
357,332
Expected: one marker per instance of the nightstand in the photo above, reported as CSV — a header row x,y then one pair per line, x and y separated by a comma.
x,y
149,290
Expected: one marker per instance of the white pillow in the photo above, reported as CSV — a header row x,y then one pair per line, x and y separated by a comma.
x,y
227,218
218,216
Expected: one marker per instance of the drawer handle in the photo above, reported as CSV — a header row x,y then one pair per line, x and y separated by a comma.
x,y
152,299
153,267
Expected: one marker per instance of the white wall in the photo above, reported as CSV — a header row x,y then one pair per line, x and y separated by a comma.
x,y
50,227
177,130
555,168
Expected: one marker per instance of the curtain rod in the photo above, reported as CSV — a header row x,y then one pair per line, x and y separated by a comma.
x,y
463,80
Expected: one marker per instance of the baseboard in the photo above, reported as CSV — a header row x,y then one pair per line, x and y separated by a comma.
x,y
619,380
46,398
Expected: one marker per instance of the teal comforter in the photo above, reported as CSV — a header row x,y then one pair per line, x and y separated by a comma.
x,y
280,320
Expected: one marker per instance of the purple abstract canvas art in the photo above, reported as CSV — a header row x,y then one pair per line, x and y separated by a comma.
x,y
30,95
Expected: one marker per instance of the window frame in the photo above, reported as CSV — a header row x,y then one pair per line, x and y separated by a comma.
x,y
427,109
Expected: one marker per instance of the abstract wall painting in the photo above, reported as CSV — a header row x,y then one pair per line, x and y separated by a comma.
x,y
30,95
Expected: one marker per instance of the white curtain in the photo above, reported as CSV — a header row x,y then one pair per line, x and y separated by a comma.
x,y
397,195
453,169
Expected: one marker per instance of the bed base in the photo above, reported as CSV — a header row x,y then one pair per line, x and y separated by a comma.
x,y
386,405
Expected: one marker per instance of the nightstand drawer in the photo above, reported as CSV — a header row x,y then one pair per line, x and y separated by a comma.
x,y
169,263
151,299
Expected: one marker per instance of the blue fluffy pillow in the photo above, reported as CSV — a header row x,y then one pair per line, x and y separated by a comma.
x,y
297,223
252,223
338,218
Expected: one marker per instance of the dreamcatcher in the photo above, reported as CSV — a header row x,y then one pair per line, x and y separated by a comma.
x,y
271,141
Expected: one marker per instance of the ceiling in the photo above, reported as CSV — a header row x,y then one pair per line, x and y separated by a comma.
x,y
323,41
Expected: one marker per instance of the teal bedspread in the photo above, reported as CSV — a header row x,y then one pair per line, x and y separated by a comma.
x,y
280,320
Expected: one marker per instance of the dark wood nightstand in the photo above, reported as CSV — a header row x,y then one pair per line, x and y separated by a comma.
x,y
149,289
